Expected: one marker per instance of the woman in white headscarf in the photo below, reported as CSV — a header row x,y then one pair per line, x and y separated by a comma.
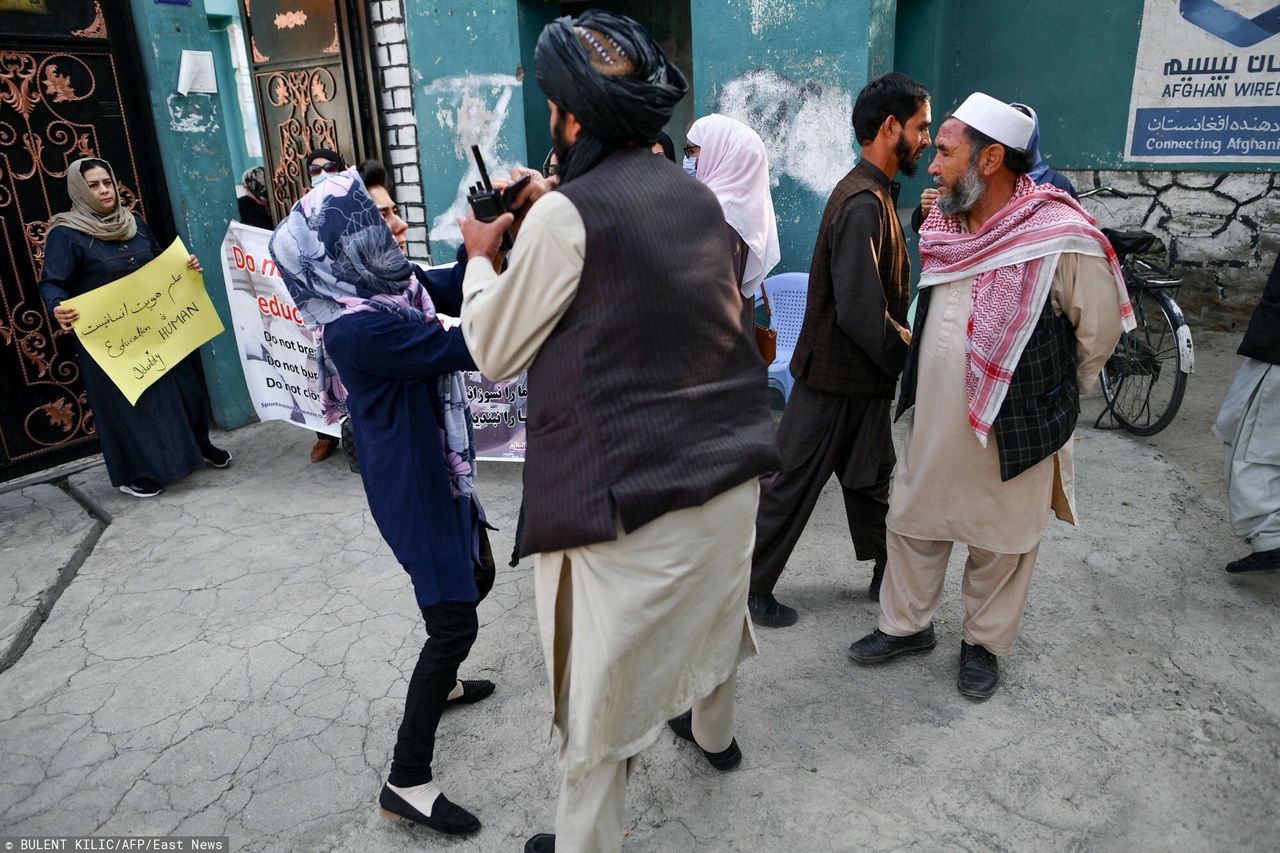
x,y
730,159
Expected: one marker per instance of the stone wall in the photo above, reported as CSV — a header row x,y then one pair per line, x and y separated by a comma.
x,y
399,131
1221,232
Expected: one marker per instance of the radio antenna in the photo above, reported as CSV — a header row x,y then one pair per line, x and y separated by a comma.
x,y
484,173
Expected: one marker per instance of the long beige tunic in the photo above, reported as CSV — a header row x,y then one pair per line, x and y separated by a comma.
x,y
636,629
947,486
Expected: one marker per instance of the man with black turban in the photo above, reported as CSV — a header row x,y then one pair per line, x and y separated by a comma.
x,y
648,423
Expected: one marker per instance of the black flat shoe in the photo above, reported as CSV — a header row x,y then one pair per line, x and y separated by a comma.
x,y
722,761
215,456
768,611
543,842
979,672
472,691
445,816
878,647
1258,561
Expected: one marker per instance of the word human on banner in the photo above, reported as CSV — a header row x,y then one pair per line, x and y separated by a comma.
x,y
1206,84
277,350
137,328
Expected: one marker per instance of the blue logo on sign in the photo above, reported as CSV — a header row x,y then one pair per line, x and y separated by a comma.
x,y
1230,26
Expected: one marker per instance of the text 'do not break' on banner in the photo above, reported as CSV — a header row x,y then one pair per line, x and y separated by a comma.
x,y
277,350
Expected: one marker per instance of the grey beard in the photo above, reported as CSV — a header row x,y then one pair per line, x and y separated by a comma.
x,y
964,195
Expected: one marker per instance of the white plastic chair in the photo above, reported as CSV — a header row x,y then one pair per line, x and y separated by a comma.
x,y
788,293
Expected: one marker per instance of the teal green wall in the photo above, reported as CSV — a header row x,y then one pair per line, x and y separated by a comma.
x,y
196,166
533,16
814,44
466,55
226,71
1072,61
466,62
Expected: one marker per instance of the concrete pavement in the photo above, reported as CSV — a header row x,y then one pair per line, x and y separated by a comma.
x,y
231,657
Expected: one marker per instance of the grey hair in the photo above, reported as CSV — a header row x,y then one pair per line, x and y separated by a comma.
x,y
1018,160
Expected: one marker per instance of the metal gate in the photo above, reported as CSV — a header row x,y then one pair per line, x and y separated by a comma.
x,y
313,87
70,87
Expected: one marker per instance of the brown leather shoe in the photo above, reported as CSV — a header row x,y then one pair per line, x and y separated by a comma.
x,y
324,446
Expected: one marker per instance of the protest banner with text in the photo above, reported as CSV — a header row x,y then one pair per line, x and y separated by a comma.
x,y
277,350
498,411
139,327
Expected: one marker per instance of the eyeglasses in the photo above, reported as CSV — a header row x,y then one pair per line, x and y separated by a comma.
x,y
332,168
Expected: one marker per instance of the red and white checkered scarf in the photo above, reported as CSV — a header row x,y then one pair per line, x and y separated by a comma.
x,y
1013,258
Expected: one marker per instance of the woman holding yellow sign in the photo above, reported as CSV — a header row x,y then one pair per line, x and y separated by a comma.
x,y
165,436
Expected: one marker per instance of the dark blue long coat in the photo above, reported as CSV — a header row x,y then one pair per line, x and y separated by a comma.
x,y
160,436
390,367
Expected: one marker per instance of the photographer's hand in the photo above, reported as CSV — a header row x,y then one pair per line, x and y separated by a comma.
x,y
484,238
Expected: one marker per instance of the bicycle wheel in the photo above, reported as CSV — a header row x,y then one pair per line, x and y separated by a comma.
x,y
1142,382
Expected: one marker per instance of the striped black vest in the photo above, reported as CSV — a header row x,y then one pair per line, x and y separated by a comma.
x,y
649,396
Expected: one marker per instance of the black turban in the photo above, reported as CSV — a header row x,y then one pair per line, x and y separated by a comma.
x,y
610,73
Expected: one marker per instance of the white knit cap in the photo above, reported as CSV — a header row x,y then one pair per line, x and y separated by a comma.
x,y
997,119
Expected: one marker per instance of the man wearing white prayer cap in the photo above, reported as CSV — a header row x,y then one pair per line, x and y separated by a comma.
x,y
1021,302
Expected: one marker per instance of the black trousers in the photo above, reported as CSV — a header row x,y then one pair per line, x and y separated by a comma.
x,y
824,434
451,629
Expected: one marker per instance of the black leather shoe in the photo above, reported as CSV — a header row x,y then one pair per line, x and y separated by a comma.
x,y
472,691
726,760
979,672
769,612
1258,561
445,816
877,577
878,647
543,842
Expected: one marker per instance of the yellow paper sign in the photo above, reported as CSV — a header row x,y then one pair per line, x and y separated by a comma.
x,y
139,327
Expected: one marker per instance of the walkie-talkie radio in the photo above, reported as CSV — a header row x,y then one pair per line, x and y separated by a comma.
x,y
487,203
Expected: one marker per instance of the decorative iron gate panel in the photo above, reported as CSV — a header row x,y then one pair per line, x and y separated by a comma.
x,y
312,87
69,88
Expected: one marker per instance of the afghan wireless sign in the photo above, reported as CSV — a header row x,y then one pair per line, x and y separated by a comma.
x,y
1206,86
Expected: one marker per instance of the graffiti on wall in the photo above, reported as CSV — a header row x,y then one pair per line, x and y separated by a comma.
x,y
473,110
805,125
769,13
194,113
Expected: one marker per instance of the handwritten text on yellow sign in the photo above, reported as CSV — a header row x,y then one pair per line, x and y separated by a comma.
x,y
138,327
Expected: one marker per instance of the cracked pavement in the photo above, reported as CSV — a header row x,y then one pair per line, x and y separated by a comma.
x,y
231,659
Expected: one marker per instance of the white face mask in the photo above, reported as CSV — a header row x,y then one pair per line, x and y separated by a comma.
x,y
320,179
691,166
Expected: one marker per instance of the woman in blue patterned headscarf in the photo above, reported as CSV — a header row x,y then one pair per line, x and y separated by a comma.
x,y
385,356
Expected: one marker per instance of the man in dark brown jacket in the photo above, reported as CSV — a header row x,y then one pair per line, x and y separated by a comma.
x,y
850,351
